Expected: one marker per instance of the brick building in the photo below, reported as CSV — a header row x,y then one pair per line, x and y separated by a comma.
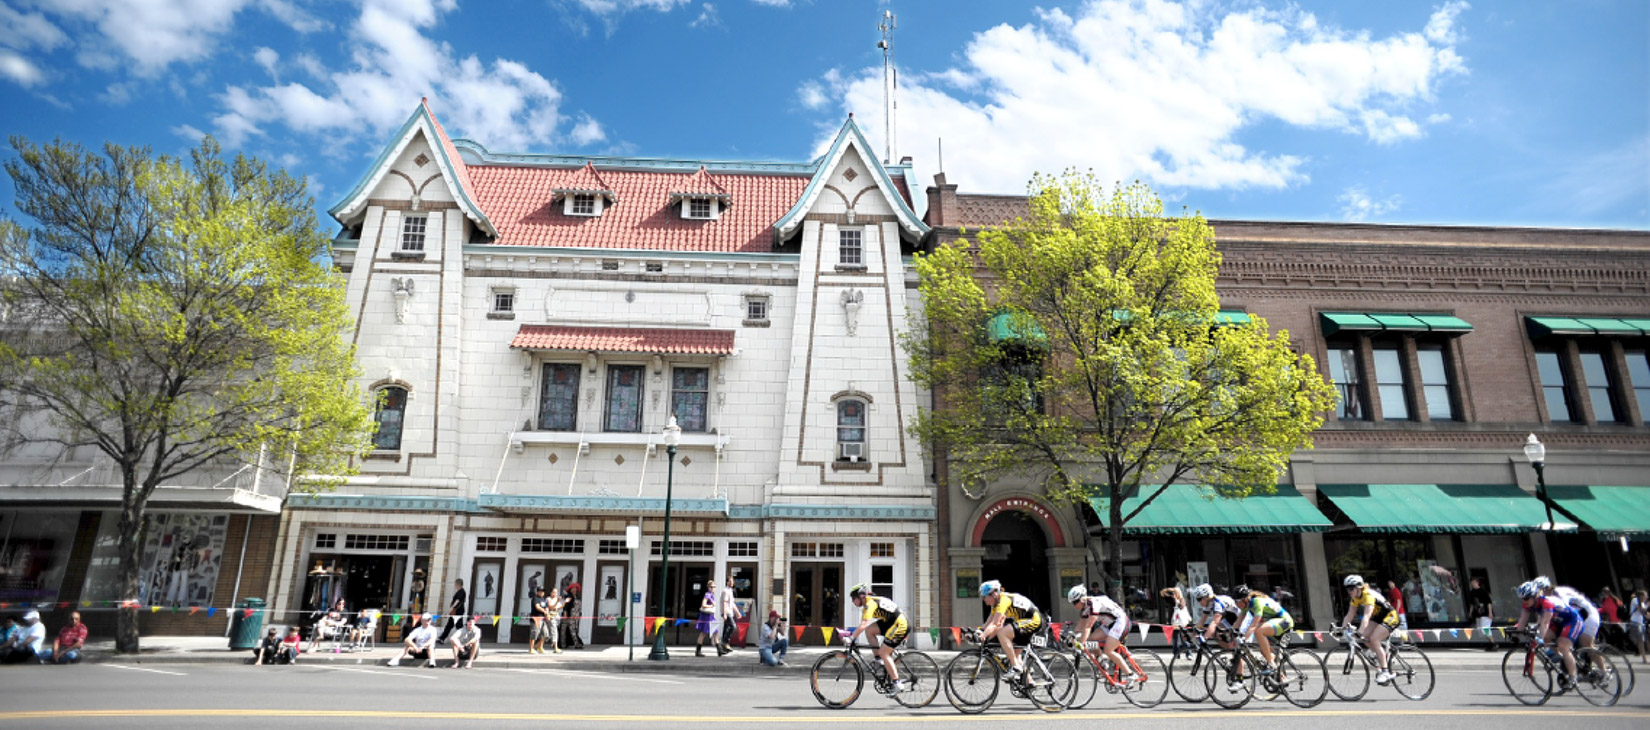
x,y
1450,346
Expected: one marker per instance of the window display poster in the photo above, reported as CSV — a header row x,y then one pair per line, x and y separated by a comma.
x,y
532,579
1437,584
484,590
968,581
1196,574
610,599
181,556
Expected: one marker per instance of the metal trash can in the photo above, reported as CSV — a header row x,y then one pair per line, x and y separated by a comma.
x,y
244,629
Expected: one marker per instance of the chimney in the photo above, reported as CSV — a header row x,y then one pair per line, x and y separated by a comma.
x,y
942,202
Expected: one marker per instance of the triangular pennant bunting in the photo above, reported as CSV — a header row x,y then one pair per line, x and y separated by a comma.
x,y
934,636
1469,632
1056,628
211,611
1145,628
956,636
1453,632
827,632
495,620
622,620
194,610
798,631
156,609
1168,633
1317,636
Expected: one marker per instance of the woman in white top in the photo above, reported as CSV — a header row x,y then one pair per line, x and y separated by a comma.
x,y
1636,617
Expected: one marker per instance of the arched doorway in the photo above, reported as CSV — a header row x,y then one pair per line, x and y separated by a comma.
x,y
1016,553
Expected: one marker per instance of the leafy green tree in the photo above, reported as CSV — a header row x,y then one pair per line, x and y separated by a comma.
x,y
1081,347
177,316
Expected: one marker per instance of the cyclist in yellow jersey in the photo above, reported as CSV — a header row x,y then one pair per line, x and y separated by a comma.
x,y
1013,620
1376,620
881,616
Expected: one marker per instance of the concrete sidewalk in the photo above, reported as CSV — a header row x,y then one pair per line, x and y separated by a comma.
x,y
743,662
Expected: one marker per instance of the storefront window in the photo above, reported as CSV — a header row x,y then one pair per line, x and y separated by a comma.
x,y
1497,561
1263,562
1424,570
34,553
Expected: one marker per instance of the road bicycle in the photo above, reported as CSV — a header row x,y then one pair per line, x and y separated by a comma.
x,y
1192,656
1623,665
1049,679
1238,675
1146,686
1350,665
839,675
1533,673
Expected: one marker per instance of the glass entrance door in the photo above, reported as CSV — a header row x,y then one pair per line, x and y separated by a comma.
x,y
687,587
816,594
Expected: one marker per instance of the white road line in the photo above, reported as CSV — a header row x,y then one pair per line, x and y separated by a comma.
x,y
379,671
143,669
571,673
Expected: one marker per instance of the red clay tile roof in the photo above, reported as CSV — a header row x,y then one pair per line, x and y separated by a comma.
x,y
624,339
459,168
518,201
699,185
981,211
586,180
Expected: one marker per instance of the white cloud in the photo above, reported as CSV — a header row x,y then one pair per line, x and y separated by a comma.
x,y
1441,27
154,34
189,132
708,17
118,94
503,104
1357,205
812,95
1155,90
618,7
20,70
25,31
311,65
267,57
773,3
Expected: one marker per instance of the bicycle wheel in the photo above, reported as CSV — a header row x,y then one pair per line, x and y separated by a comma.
x,y
1348,675
1412,673
1596,678
1051,680
1088,680
971,681
921,675
1302,677
1527,676
1186,676
1624,668
836,679
1151,683
1226,687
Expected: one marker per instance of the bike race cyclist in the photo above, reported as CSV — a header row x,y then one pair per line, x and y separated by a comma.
x,y
1577,601
1104,611
881,616
1554,617
1013,620
1263,618
1376,621
1219,613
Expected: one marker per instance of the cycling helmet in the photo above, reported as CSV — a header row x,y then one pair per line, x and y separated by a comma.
x,y
1542,582
1353,581
1241,592
1202,591
1077,593
1528,590
990,588
858,591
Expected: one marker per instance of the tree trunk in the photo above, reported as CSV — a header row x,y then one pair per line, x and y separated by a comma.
x,y
131,526
1114,528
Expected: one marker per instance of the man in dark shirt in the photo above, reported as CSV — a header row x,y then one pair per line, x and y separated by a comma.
x,y
455,612
541,623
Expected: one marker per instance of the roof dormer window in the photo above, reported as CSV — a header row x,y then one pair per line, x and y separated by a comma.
x,y
699,208
701,197
585,194
583,204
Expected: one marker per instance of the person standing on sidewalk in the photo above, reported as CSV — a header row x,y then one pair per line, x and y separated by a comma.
x,y
552,619
707,625
1481,610
541,623
1638,613
1396,598
569,638
773,644
727,607
455,611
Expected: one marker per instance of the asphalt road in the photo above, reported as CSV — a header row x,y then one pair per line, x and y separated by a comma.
x,y
184,696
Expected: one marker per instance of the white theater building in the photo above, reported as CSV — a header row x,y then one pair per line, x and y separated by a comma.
x,y
532,321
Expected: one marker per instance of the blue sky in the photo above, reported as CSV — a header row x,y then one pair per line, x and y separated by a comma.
x,y
1494,113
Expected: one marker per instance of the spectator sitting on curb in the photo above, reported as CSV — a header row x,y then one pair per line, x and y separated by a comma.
x,y
13,628
773,643
419,643
466,644
27,644
268,648
291,647
70,640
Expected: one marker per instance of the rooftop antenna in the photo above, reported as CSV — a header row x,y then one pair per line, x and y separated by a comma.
x,y
889,81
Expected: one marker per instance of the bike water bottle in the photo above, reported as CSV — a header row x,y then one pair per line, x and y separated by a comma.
x,y
1552,654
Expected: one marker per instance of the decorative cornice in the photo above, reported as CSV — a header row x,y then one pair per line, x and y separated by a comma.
x,y
389,503
845,512
598,505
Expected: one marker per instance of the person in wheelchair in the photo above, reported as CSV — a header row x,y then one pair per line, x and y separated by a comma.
x,y
1013,621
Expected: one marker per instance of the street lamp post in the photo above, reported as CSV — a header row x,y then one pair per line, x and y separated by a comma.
x,y
673,436
1537,454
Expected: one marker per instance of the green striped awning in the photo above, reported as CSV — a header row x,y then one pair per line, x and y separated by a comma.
x,y
1004,328
1390,322
1544,325
1610,511
1458,508
1188,509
